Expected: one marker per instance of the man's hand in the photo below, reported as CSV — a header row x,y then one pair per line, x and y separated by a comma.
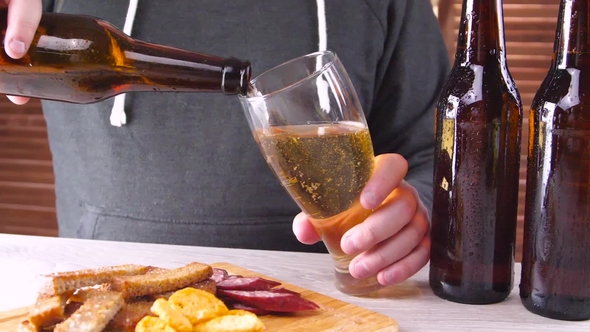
x,y
394,241
23,19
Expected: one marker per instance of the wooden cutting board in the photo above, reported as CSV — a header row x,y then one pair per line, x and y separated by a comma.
x,y
333,315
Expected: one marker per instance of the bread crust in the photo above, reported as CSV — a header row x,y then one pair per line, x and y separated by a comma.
x,y
161,282
94,314
48,312
63,282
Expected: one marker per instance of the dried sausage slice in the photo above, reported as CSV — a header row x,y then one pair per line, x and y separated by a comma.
x,y
247,283
269,300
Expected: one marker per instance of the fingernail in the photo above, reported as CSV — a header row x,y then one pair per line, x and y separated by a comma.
x,y
361,269
350,245
390,277
370,198
17,46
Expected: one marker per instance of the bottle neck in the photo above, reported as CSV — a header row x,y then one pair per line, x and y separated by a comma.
x,y
481,33
164,68
572,43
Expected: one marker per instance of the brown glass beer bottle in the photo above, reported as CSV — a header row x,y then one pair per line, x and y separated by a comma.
x,y
477,159
82,59
555,280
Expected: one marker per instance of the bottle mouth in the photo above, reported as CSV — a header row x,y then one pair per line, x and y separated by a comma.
x,y
246,74
236,77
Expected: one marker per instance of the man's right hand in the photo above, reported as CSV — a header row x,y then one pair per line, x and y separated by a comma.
x,y
23,19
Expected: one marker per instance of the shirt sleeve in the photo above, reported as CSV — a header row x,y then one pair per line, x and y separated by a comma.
x,y
413,69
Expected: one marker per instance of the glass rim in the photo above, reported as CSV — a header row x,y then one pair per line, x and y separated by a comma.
x,y
316,73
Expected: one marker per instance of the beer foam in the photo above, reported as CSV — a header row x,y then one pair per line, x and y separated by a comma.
x,y
63,44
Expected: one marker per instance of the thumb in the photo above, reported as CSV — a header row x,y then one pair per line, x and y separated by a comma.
x,y
23,20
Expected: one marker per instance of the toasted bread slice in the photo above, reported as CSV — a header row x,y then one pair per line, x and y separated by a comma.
x,y
155,269
48,312
62,282
207,285
162,281
94,314
84,293
128,317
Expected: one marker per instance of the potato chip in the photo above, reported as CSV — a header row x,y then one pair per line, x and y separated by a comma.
x,y
152,324
240,312
171,316
197,305
190,306
236,321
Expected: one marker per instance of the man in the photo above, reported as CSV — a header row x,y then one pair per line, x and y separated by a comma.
x,y
185,169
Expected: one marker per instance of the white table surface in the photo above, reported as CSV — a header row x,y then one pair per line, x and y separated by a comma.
x,y
411,303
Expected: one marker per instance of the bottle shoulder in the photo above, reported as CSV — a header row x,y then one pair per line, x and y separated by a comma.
x,y
491,72
472,82
563,100
566,88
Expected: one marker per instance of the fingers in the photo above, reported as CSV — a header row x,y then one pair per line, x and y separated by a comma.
x,y
390,170
392,251
398,210
408,266
304,231
23,19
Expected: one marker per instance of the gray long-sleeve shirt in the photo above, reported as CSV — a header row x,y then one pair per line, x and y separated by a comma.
x,y
186,169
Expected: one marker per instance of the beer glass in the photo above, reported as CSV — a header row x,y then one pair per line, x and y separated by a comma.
x,y
307,120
